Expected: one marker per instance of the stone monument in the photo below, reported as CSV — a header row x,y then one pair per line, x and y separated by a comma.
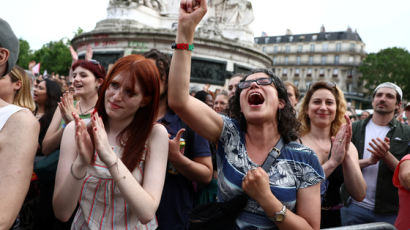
x,y
223,42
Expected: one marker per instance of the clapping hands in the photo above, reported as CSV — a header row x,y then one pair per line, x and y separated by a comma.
x,y
91,139
66,106
341,142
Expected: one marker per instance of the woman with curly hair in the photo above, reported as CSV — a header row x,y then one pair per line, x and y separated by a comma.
x,y
327,131
287,195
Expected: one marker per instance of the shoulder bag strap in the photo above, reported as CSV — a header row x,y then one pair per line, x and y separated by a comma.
x,y
273,155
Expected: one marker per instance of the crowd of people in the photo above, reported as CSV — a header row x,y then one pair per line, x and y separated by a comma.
x,y
134,147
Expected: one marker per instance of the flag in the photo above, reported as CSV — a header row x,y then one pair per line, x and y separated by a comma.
x,y
36,69
264,34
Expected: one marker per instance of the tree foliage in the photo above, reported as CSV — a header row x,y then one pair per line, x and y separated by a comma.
x,y
54,57
25,55
391,64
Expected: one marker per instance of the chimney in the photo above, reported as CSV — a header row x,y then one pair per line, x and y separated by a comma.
x,y
288,32
322,29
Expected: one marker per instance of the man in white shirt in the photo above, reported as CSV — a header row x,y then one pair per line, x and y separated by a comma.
x,y
18,138
381,142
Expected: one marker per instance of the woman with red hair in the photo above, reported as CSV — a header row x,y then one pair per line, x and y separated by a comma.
x,y
88,76
116,170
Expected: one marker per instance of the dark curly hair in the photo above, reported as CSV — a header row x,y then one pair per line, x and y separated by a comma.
x,y
288,125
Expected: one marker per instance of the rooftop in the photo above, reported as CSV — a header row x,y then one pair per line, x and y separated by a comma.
x,y
312,37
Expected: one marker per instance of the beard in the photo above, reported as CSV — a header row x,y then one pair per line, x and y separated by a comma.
x,y
384,110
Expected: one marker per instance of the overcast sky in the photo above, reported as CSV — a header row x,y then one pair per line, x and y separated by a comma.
x,y
380,23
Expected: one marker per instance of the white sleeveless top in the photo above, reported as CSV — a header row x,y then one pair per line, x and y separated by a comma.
x,y
6,112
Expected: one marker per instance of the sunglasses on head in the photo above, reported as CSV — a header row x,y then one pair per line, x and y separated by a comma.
x,y
329,84
260,81
94,61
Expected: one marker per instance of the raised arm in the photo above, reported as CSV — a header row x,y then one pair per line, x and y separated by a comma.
x,y
18,145
197,115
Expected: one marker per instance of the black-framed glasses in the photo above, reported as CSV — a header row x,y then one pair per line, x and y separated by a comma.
x,y
259,81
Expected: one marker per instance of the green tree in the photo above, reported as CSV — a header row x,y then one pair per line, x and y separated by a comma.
x,y
78,32
54,57
391,64
25,55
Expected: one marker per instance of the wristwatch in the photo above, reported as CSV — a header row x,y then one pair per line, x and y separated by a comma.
x,y
279,216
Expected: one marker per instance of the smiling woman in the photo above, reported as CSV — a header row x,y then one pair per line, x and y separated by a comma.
x,y
116,170
87,77
324,130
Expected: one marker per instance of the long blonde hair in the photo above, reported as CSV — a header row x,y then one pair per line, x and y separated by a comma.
x,y
340,107
23,96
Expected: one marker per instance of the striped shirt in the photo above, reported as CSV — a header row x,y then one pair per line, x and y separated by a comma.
x,y
101,204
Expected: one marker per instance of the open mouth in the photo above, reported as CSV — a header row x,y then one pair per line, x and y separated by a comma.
x,y
255,98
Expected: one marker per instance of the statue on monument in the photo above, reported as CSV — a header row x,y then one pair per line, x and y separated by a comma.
x,y
229,19
158,5
237,12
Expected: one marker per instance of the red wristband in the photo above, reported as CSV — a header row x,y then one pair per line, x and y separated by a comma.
x,y
182,46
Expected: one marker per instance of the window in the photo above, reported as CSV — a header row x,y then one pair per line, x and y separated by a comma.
x,y
351,59
312,47
298,60
314,37
285,72
352,46
275,60
300,48
290,38
275,49
309,72
350,73
335,72
310,60
336,59
288,49
323,60
286,60
297,72
267,40
338,47
308,83
277,39
325,47
322,72
349,87
296,84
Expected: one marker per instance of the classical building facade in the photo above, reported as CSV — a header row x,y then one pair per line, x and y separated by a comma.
x,y
306,58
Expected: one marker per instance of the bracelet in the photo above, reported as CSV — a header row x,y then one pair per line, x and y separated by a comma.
x,y
116,162
182,46
76,177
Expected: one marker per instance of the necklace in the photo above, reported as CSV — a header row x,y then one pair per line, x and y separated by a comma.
x,y
86,111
